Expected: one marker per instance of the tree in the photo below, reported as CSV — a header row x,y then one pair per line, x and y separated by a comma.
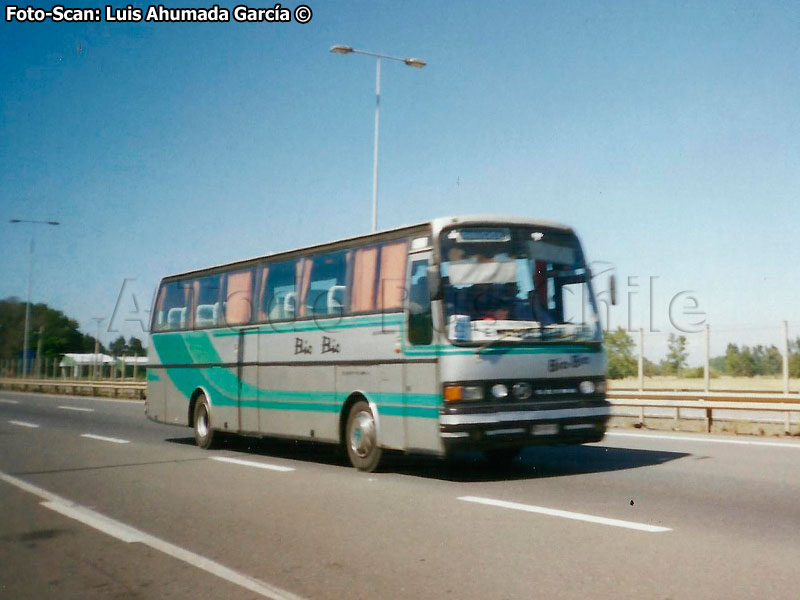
x,y
767,361
118,347
619,351
739,362
717,365
794,365
60,333
652,369
677,354
135,347
794,357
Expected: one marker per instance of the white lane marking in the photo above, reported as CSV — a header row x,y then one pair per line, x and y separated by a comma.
x,y
43,395
566,514
103,438
710,440
95,520
4,401
250,463
129,534
24,424
77,408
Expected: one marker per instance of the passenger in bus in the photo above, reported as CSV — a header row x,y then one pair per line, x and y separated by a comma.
x,y
494,301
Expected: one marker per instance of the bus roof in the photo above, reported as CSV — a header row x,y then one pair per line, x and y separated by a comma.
x,y
435,226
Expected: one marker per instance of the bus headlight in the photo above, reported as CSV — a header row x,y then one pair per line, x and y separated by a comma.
x,y
586,387
453,393
499,391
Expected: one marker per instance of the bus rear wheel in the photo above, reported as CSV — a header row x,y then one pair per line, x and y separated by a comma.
x,y
361,438
203,432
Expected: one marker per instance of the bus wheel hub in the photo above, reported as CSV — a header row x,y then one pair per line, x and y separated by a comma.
x,y
362,435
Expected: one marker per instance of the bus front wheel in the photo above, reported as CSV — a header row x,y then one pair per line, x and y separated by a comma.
x,y
203,432
361,438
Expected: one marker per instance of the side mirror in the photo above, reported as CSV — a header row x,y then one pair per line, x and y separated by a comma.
x,y
612,289
434,282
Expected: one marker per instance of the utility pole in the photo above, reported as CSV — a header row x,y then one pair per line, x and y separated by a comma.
x,y
786,357
39,352
707,365
97,320
641,359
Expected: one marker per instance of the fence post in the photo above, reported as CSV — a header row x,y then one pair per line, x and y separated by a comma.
x,y
641,359
786,357
707,365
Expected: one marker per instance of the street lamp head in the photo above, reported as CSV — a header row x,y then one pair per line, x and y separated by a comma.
x,y
414,62
338,49
34,222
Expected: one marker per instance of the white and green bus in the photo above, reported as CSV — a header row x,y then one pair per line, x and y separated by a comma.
x,y
463,333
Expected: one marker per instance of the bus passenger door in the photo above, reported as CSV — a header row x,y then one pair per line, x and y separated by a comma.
x,y
247,378
421,389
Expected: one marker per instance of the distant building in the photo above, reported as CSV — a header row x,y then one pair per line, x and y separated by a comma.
x,y
73,364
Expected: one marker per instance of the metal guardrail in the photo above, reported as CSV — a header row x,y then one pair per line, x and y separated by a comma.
x,y
707,408
114,389
707,402
698,390
699,395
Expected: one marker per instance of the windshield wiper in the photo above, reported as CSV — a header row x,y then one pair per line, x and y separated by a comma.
x,y
508,333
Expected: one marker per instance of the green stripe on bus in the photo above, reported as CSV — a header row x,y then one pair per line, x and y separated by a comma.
x,y
224,384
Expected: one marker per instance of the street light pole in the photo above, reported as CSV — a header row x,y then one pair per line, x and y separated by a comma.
x,y
375,150
411,62
26,334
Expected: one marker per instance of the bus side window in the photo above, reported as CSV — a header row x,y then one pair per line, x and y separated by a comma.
x,y
327,285
278,295
420,324
206,301
174,304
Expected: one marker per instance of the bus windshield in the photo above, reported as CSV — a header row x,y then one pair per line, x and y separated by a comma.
x,y
516,284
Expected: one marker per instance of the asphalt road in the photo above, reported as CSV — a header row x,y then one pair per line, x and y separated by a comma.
x,y
136,511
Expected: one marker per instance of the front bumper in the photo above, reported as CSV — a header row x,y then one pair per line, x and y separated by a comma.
x,y
484,426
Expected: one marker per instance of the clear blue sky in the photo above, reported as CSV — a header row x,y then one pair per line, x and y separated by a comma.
x,y
666,133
